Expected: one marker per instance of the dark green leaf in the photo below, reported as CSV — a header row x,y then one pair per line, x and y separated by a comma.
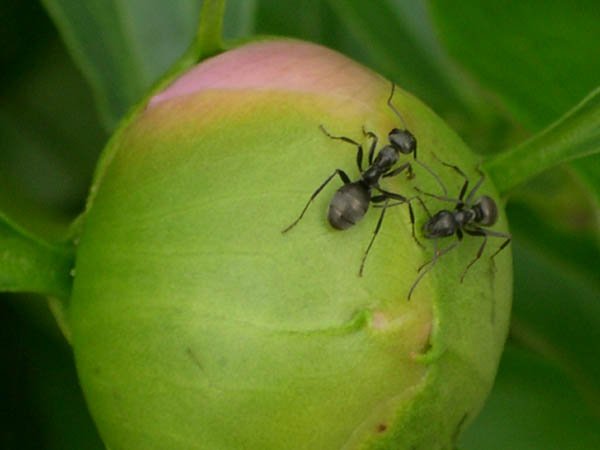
x,y
239,20
533,406
43,406
557,314
402,44
539,57
547,392
123,47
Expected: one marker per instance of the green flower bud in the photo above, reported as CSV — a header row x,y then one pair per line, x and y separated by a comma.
x,y
197,324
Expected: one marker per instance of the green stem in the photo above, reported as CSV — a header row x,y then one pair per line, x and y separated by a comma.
x,y
574,135
209,40
30,264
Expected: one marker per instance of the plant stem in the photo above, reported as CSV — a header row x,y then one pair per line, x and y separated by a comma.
x,y
30,264
208,40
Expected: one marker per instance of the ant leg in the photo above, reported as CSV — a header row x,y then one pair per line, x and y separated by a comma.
x,y
377,227
370,134
434,175
422,203
457,169
429,265
401,200
359,152
437,197
503,246
400,169
477,186
477,232
412,223
344,178
485,233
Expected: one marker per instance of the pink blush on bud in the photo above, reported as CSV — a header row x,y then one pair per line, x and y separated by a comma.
x,y
287,65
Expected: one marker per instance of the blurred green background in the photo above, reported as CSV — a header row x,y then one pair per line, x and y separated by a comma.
x,y
498,72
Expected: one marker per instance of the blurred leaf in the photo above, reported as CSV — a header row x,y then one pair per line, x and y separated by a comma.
x,y
28,264
403,45
575,135
123,46
565,228
556,313
49,138
240,16
532,406
42,405
588,170
547,391
539,57
274,17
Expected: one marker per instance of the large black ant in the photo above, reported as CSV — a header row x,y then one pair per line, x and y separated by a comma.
x,y
469,216
351,201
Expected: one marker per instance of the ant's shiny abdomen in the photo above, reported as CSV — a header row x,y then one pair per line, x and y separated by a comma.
x,y
349,204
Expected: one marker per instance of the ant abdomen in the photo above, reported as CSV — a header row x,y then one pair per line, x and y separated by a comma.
x,y
349,204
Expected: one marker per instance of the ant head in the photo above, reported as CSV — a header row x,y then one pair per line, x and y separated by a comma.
x,y
442,224
487,211
403,141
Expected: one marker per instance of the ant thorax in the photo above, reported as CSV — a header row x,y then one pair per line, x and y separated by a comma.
x,y
384,161
464,216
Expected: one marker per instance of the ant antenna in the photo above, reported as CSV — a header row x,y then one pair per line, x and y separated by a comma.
x,y
393,108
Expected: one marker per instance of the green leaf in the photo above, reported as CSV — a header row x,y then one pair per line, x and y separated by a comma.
x,y
538,57
29,264
575,135
123,47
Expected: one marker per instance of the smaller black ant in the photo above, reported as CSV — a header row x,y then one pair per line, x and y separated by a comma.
x,y
351,201
469,216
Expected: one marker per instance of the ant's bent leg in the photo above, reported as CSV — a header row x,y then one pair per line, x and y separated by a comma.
x,y
429,265
370,134
457,169
406,166
442,198
422,203
476,232
344,178
401,200
477,185
359,149
377,227
499,234
434,175
486,233
412,222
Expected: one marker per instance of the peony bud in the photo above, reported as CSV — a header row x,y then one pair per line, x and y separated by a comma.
x,y
197,324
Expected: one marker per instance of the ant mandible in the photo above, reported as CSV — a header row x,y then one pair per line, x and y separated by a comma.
x,y
351,201
469,216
